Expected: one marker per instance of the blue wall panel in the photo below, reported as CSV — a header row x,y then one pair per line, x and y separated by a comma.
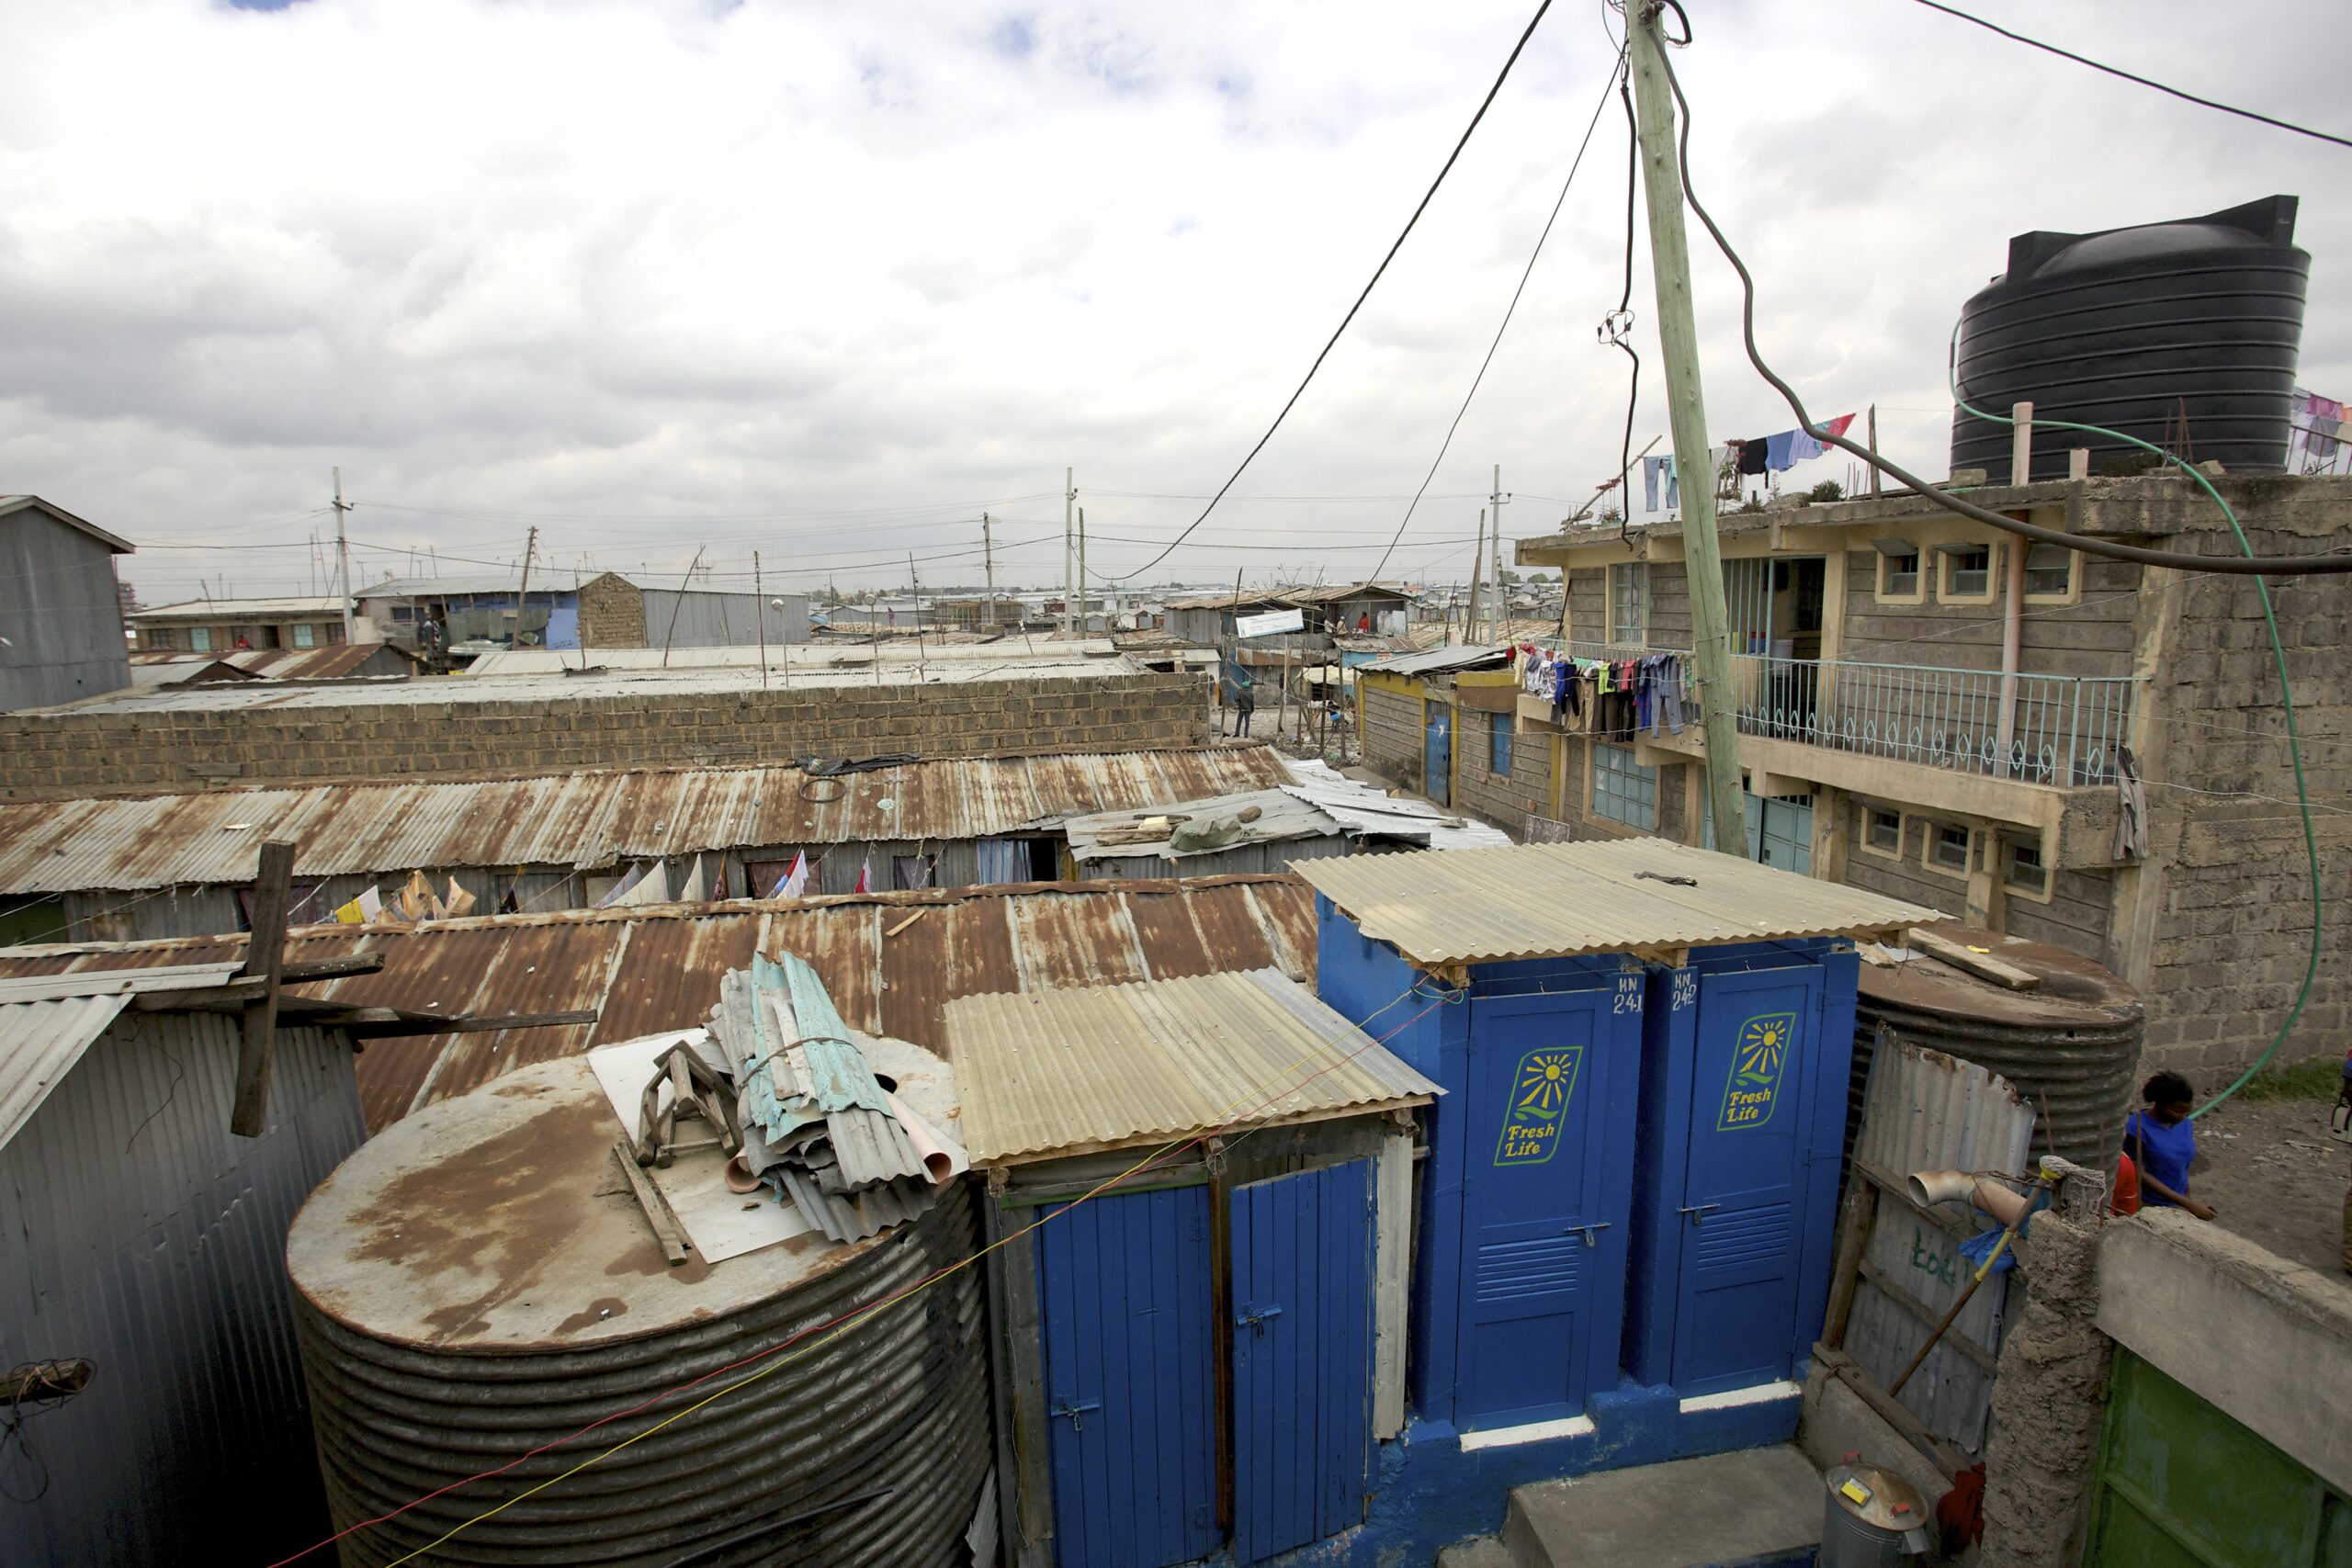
x,y
1130,1399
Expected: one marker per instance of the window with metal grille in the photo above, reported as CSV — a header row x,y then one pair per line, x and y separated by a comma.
x,y
1629,604
1885,832
305,635
1948,847
1968,572
1498,760
1898,574
162,639
2024,870
200,638
1624,790
2049,571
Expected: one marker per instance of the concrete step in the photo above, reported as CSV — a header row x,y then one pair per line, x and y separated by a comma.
x,y
1479,1551
1757,1505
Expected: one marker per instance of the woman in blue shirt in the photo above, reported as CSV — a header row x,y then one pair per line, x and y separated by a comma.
x,y
2162,1141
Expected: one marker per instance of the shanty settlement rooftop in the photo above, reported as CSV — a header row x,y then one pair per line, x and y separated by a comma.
x,y
586,820
1050,1073
1643,895
890,962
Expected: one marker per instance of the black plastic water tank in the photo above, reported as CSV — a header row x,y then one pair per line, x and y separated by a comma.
x,y
2132,328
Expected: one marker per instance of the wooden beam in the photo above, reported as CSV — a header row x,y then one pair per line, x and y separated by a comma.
x,y
1983,966
1887,1181
265,960
656,1210
1949,1460
1929,1316
331,968
1854,1219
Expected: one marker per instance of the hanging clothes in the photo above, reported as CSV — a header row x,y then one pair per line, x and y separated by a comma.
x,y
1776,451
1753,455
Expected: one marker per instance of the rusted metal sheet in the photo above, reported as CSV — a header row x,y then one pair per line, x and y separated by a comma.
x,y
1925,1110
657,968
586,820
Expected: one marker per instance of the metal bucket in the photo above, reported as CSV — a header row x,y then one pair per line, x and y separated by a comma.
x,y
1871,1518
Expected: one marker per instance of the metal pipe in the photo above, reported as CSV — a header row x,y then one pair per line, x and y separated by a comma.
x,y
2040,1184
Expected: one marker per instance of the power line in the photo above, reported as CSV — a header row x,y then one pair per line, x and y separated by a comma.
x,y
1529,271
2128,76
1427,197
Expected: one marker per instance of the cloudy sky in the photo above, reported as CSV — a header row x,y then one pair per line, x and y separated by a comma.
x,y
828,281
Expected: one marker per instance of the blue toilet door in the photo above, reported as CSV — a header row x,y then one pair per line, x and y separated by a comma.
x,y
1437,757
1744,1192
1130,1392
1302,1357
1537,1248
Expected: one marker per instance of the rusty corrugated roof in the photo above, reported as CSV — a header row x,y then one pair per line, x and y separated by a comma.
x,y
1049,1073
892,962
585,821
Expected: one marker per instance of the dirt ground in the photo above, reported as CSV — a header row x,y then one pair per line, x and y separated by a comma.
x,y
2275,1176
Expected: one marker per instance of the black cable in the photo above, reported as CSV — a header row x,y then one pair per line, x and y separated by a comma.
x,y
1426,198
1573,165
1619,329
2244,566
2128,76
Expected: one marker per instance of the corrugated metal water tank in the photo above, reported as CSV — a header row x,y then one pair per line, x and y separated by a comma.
x,y
2132,328
477,1281
2071,1046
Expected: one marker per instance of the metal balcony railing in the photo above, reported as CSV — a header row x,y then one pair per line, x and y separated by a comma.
x,y
2065,729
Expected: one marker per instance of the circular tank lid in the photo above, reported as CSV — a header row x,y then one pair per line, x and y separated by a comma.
x,y
499,1221
1878,1497
2074,993
2151,243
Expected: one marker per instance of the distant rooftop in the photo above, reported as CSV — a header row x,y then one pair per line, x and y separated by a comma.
x,y
241,610
9,503
898,654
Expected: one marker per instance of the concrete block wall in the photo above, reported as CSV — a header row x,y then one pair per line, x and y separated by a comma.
x,y
2233,926
1392,734
54,755
1504,800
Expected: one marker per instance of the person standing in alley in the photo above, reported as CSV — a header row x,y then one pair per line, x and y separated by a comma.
x,y
2162,1141
1240,695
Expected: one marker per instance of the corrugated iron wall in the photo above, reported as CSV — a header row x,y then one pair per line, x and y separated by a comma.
x,y
1925,1110
136,1231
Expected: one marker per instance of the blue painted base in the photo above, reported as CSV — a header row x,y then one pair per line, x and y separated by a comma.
x,y
1429,1494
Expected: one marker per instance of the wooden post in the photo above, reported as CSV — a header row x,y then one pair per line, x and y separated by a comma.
x,y
1221,1326
265,958
1678,332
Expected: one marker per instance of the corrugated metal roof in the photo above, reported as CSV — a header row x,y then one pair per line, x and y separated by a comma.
x,y
329,663
1058,1072
238,610
1368,811
890,962
1281,816
48,1020
896,655
137,842
39,1044
1559,900
1438,660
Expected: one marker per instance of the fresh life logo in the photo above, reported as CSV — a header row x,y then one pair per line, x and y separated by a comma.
x,y
1755,1062
1539,1092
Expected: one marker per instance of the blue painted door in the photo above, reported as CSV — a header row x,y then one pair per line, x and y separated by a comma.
x,y
1302,1357
1542,1255
1744,1193
1130,1395
1437,756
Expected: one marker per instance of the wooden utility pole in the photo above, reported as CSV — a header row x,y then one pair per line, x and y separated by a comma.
x,y
1497,606
760,613
264,959
987,558
1082,627
1070,521
1477,582
523,593
675,605
1677,330
343,556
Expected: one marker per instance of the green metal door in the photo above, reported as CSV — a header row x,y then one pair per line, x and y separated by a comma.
x,y
2180,1484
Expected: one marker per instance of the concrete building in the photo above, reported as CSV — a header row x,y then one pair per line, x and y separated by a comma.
x,y
228,626
480,608
1208,618
61,611
1885,746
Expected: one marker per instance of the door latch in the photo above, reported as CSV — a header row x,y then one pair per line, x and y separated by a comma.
x,y
1255,1317
1695,1210
1074,1408
1590,1239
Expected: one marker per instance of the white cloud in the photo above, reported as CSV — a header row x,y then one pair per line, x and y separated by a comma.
x,y
654,273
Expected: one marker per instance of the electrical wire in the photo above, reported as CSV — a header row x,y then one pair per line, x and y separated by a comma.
x,y
834,1328
2249,565
1616,72
2258,567
1427,197
2128,76
1617,329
